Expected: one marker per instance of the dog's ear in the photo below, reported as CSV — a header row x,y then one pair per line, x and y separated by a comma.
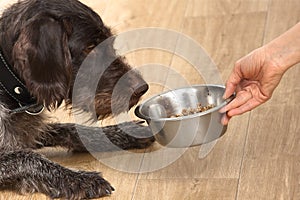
x,y
41,56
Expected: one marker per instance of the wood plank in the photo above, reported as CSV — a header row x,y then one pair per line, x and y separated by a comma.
x,y
132,14
187,189
98,6
226,38
6,3
7,195
282,15
273,136
270,178
210,8
271,163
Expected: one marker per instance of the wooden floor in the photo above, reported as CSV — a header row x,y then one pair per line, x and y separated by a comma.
x,y
258,157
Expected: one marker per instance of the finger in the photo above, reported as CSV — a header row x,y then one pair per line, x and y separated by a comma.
x,y
225,119
246,107
232,82
230,88
241,98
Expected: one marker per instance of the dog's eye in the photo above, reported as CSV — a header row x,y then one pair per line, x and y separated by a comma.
x,y
89,49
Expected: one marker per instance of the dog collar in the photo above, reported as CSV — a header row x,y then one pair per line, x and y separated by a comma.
x,y
16,89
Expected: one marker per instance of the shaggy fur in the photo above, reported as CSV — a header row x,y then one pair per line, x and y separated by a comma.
x,y
45,42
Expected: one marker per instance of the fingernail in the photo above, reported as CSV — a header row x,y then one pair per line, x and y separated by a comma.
x,y
222,110
224,121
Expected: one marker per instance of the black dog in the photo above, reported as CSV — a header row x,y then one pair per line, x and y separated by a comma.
x,y
43,44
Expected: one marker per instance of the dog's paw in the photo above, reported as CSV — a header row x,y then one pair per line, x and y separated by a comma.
x,y
128,135
139,143
142,142
140,136
82,185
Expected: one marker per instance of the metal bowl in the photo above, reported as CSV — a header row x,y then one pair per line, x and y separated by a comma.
x,y
190,130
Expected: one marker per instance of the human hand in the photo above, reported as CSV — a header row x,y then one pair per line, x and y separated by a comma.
x,y
254,78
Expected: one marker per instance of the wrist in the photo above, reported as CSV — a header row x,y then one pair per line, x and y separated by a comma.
x,y
275,58
284,50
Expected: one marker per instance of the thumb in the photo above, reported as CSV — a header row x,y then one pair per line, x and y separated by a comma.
x,y
231,85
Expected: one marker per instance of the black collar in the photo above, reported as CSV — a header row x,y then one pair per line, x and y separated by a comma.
x,y
16,89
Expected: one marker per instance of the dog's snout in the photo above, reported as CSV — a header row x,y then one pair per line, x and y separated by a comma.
x,y
140,89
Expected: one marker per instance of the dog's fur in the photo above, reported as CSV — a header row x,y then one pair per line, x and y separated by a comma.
x,y
45,42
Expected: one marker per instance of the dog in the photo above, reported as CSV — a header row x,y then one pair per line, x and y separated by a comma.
x,y
43,44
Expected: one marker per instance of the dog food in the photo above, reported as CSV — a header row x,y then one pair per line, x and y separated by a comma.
x,y
190,111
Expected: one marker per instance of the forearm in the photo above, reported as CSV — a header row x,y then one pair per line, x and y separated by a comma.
x,y
285,49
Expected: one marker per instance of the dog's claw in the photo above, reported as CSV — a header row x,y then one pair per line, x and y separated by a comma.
x,y
108,192
139,121
86,185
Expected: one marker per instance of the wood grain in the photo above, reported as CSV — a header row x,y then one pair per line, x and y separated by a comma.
x,y
257,158
270,167
186,189
271,164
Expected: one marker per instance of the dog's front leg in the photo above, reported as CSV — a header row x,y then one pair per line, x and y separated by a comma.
x,y
29,172
128,135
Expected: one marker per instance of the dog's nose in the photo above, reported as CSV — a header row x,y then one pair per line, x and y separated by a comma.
x,y
141,89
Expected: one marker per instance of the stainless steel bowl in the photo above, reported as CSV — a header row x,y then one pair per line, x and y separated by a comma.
x,y
190,130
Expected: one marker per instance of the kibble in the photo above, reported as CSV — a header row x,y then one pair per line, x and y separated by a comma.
x,y
190,111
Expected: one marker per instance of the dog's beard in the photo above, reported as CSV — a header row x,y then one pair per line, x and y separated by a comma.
x,y
106,91
104,105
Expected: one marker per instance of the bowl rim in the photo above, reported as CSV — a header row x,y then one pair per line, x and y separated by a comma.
x,y
142,116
